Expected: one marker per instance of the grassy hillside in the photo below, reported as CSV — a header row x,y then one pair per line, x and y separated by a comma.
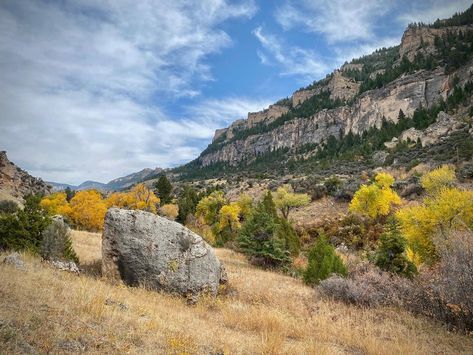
x,y
260,312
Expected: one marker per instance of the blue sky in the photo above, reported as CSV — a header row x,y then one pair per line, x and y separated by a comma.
x,y
98,89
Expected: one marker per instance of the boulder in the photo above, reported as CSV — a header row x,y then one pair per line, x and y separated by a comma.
x,y
143,249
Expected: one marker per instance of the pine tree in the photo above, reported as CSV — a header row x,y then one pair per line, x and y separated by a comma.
x,y
163,189
258,237
390,255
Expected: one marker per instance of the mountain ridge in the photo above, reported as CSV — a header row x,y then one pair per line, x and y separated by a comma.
x,y
431,63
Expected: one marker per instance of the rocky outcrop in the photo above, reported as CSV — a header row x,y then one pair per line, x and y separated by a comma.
x,y
302,95
368,110
421,39
16,183
444,125
141,248
342,87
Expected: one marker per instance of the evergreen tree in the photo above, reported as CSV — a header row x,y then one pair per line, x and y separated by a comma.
x,y
390,255
323,261
69,193
23,230
163,189
187,203
258,237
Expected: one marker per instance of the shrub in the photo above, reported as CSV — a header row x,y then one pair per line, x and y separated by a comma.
x,y
444,292
323,261
437,179
23,230
367,286
377,199
391,256
56,243
286,232
332,184
8,206
169,211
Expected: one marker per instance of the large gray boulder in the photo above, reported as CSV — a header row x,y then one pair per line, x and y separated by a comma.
x,y
144,249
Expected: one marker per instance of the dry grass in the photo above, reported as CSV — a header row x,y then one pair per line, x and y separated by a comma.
x,y
261,312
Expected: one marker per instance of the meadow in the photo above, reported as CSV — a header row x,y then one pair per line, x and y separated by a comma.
x,y
260,312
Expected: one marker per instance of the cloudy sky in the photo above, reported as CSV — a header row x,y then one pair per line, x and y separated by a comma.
x,y
97,89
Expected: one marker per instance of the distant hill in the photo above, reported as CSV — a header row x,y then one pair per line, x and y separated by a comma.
x,y
117,184
129,180
16,183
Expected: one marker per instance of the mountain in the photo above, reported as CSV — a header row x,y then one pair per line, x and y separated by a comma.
x,y
117,184
16,183
369,108
129,180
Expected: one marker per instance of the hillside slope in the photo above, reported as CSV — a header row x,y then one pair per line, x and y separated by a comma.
x,y
429,72
15,183
46,310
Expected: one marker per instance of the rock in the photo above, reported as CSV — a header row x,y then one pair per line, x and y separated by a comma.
x,y
379,157
143,249
15,260
69,266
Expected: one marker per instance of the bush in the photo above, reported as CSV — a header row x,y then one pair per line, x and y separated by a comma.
x,y
8,206
444,292
391,256
367,286
56,244
286,232
23,230
322,262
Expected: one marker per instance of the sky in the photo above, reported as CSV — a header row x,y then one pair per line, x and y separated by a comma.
x,y
98,89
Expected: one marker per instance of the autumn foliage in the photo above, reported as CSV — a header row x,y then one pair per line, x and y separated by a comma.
x,y
377,199
87,209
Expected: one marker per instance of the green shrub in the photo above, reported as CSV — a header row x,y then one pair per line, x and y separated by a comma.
x,y
8,206
391,256
323,262
57,244
286,232
23,230
258,238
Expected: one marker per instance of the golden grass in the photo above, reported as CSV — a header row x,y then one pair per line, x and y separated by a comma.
x,y
260,313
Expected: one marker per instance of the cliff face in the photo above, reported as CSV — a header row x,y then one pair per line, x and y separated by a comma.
x,y
361,111
16,183
421,39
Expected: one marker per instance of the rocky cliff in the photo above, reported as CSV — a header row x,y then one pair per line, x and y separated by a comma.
x,y
357,110
16,183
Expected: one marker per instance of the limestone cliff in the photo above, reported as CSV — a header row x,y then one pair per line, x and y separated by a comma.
x,y
357,110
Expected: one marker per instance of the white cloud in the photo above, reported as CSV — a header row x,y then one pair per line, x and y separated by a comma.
x,y
292,60
337,20
428,11
80,80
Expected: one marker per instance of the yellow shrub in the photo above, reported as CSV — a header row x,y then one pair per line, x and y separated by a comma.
x,y
169,210
445,209
377,199
438,178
